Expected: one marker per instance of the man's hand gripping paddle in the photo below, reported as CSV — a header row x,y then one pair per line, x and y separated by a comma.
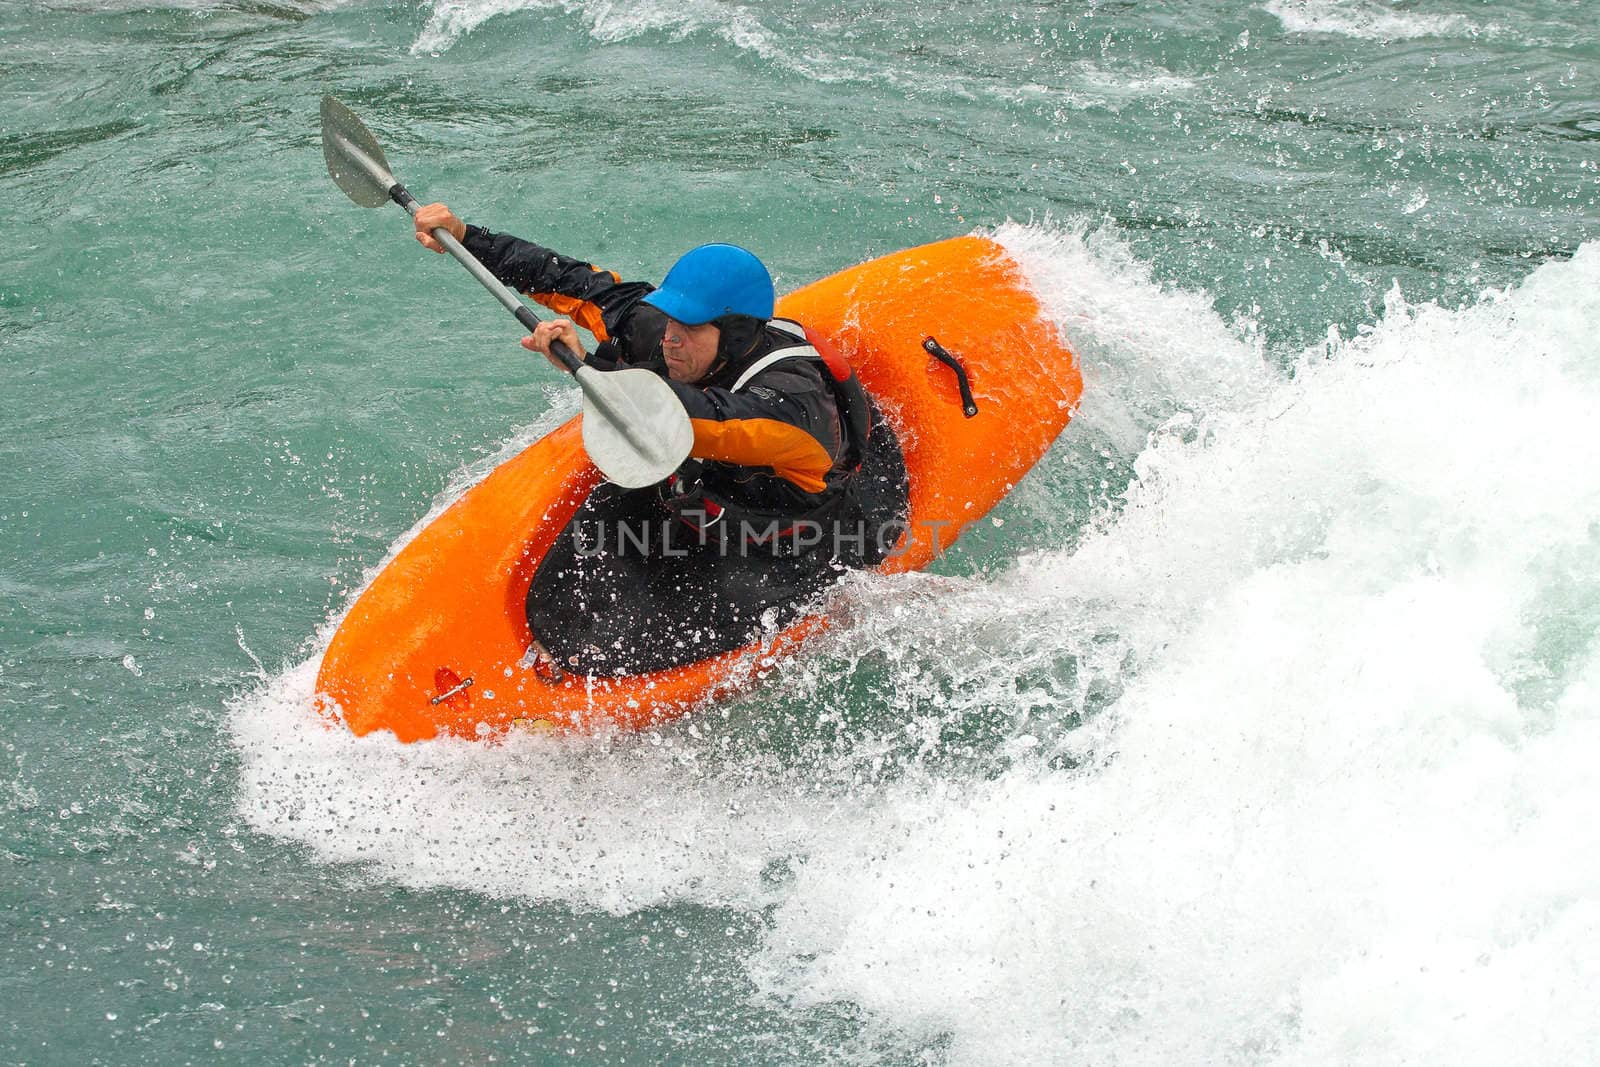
x,y
634,428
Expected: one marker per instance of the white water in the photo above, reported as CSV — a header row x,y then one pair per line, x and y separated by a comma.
x,y
1337,805
1370,19
828,52
605,21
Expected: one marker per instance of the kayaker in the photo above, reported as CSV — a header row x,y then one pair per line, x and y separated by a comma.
x,y
792,477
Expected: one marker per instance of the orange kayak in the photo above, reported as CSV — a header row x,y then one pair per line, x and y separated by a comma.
x,y
436,643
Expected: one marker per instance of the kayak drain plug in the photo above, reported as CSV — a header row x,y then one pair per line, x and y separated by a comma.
x,y
969,406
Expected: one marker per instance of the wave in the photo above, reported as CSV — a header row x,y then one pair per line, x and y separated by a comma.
x,y
1336,809
1367,19
825,48
608,22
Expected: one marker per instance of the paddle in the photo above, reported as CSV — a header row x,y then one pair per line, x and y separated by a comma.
x,y
634,428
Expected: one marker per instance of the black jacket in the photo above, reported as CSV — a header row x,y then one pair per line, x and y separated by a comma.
x,y
775,447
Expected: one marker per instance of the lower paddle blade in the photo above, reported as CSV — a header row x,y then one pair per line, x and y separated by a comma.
x,y
634,426
355,162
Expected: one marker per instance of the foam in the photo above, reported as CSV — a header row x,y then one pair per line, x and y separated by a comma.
x,y
1319,824
537,817
1367,19
608,22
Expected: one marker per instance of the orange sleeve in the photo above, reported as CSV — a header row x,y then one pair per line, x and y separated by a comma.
x,y
581,311
792,453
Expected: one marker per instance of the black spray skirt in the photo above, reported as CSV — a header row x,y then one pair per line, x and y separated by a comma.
x,y
628,589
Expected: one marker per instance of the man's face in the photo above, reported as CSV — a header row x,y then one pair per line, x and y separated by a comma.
x,y
690,350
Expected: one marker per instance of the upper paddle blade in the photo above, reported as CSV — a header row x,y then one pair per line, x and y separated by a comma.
x,y
634,426
355,162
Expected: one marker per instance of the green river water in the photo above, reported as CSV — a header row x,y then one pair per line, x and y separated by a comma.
x,y
1260,726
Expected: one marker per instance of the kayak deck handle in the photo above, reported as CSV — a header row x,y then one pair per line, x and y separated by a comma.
x,y
969,406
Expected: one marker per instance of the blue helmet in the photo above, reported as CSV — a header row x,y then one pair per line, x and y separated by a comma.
x,y
712,281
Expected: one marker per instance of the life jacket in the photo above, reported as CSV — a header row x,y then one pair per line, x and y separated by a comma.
x,y
775,530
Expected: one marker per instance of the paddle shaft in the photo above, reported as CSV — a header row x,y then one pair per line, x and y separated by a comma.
x,y
508,299
634,426
524,314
